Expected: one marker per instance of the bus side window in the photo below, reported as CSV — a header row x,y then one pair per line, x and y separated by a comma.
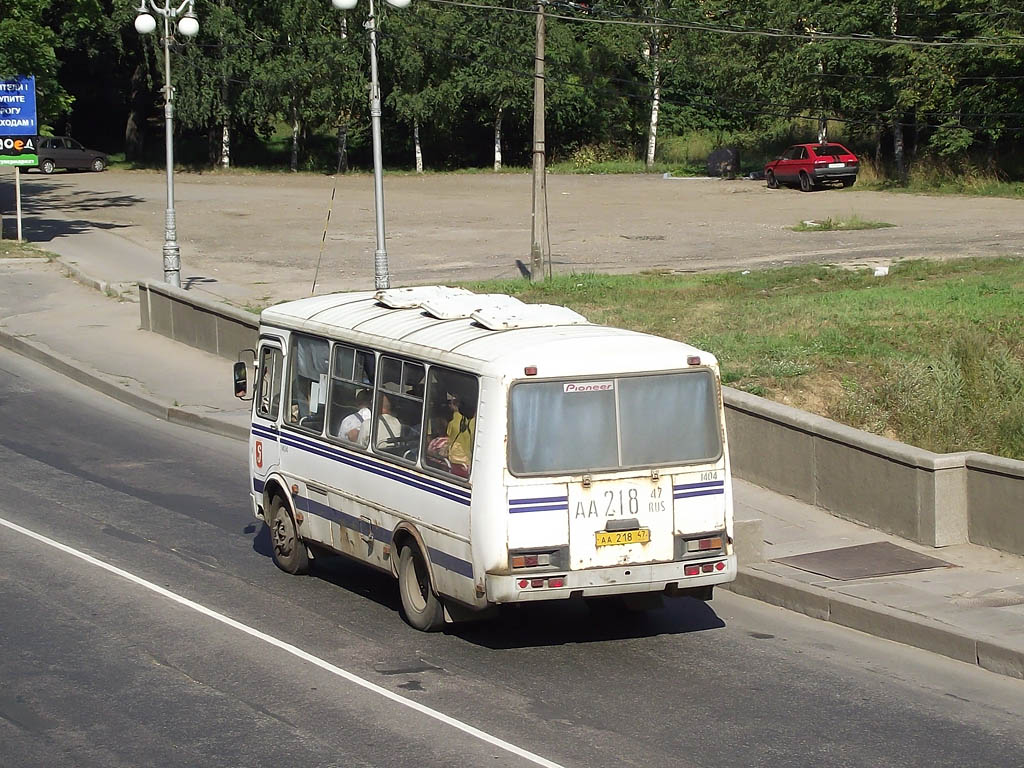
x,y
398,408
351,393
307,382
452,400
268,399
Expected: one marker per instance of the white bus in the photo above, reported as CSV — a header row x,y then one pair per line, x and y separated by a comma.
x,y
487,451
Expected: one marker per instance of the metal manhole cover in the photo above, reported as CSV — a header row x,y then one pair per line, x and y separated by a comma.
x,y
863,561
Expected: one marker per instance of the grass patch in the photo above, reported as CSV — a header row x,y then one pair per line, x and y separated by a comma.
x,y
928,177
931,354
12,249
256,307
609,167
832,225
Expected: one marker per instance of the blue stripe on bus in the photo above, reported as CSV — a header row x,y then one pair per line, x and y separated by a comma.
x,y
382,470
705,492
258,485
542,500
437,557
386,472
450,562
564,507
691,486
264,432
344,519
366,462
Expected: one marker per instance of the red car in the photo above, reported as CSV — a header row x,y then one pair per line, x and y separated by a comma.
x,y
812,165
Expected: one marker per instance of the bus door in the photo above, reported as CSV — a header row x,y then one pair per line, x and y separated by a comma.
x,y
265,443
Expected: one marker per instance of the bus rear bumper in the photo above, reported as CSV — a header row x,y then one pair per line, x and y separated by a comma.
x,y
598,582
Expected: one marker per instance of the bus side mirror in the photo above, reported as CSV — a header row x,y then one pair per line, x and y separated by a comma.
x,y
240,374
241,380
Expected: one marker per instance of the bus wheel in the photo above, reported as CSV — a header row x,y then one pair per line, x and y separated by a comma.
x,y
421,606
289,552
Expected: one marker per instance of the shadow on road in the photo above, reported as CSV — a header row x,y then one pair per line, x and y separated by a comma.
x,y
41,199
44,230
577,621
38,196
261,541
356,578
521,626
198,281
338,570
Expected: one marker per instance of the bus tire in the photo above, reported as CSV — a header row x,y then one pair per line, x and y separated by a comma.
x,y
287,549
422,608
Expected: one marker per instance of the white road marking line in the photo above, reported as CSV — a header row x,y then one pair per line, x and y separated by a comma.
x,y
325,665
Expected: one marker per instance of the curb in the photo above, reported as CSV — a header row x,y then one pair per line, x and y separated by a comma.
x,y
127,291
75,371
878,620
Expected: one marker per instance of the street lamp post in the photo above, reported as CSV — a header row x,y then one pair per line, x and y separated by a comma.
x,y
381,277
185,21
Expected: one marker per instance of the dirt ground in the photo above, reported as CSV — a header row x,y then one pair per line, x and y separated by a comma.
x,y
263,232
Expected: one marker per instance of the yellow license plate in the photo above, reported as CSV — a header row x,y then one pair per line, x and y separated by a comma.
x,y
611,538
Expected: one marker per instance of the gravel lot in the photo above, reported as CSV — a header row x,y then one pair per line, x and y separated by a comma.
x,y
263,232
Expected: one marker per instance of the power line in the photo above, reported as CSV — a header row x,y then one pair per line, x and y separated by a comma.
x,y
736,30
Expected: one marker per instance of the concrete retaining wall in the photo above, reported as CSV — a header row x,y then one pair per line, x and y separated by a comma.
x,y
208,325
995,500
931,498
897,488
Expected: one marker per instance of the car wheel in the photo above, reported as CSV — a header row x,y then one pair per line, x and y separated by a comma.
x,y
47,166
288,550
773,183
806,185
98,164
848,181
422,608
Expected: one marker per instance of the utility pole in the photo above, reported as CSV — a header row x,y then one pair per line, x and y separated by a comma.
x,y
539,220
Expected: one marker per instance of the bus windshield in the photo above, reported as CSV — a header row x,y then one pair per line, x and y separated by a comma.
x,y
614,423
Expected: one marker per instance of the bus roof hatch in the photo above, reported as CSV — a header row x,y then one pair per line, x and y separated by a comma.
x,y
529,316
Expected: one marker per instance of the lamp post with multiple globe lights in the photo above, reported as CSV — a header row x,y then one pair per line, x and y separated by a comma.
x,y
185,22
381,277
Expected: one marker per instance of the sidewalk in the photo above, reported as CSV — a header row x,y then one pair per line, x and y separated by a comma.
x,y
971,610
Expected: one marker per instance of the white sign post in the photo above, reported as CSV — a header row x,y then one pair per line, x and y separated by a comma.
x,y
17,199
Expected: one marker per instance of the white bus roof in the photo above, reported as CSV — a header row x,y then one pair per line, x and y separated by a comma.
x,y
491,333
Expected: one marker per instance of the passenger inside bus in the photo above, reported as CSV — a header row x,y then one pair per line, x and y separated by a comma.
x,y
437,439
451,431
351,425
389,428
460,435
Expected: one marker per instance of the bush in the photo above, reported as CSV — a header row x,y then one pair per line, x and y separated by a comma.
x,y
969,395
590,155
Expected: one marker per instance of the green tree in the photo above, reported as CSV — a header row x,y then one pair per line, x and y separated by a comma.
x,y
416,55
314,75
28,47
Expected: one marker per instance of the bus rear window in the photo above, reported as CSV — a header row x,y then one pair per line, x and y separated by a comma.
x,y
559,427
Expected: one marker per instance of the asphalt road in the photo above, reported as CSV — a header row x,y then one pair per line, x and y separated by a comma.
x,y
101,670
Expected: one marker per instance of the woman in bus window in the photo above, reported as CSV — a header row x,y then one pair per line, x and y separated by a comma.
x,y
460,436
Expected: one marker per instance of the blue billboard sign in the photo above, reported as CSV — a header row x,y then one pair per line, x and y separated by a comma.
x,y
18,106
